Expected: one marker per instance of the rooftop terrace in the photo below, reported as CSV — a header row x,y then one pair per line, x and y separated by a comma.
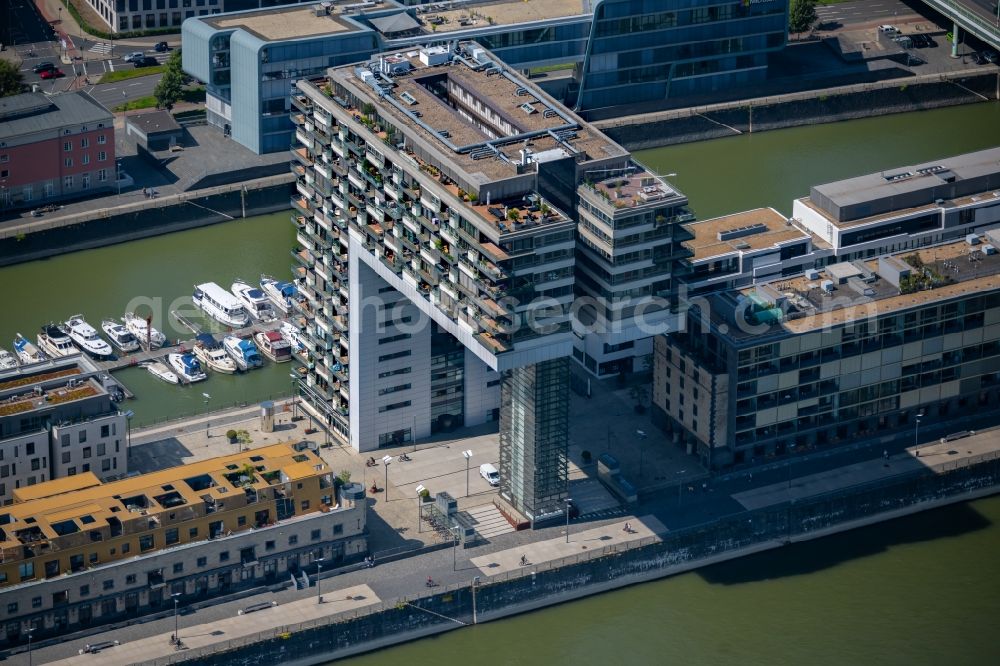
x,y
466,16
857,291
751,230
432,95
637,188
290,22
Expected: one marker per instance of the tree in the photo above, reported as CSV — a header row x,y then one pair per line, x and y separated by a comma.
x,y
169,88
10,79
802,16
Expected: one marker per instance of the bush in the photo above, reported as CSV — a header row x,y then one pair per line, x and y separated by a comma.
x,y
231,435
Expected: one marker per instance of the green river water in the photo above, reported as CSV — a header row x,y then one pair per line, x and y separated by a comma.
x,y
921,590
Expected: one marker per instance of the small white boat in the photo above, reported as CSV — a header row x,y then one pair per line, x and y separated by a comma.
x,y
210,353
290,332
187,367
220,305
147,336
54,342
7,360
161,371
119,336
26,351
280,293
254,300
244,352
272,345
87,339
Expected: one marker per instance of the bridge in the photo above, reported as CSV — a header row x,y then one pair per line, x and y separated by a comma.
x,y
980,18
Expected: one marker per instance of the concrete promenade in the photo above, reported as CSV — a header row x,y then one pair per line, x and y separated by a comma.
x,y
405,578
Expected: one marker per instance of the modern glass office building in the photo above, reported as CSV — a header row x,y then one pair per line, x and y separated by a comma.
x,y
614,52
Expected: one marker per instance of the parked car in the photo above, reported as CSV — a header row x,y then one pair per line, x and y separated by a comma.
x,y
43,67
490,473
146,61
919,41
888,29
135,55
161,47
52,74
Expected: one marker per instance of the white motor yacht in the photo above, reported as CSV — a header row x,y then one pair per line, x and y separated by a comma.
x,y
210,353
220,305
243,351
280,293
7,360
187,367
272,345
148,337
254,300
87,339
26,351
119,336
161,371
54,342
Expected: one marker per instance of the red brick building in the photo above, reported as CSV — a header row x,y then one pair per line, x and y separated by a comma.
x,y
54,147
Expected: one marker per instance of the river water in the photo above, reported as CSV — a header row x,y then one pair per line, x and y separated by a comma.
x,y
922,590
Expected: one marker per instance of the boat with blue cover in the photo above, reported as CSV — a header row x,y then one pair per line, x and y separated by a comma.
x,y
281,293
187,367
208,350
244,352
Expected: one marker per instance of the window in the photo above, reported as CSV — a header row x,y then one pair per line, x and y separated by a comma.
x,y
102,175
105,431
269,545
292,540
305,505
394,338
68,146
12,608
85,142
35,464
65,440
202,561
224,556
126,547
178,567
130,579
4,159
36,602
102,156
84,590
109,585
393,389
82,437
389,357
68,162
26,570
102,139
68,182
87,451
315,535
395,405
171,536
338,529
146,542
193,533
85,180
29,448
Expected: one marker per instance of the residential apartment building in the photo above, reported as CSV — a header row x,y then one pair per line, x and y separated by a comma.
x,y
54,147
57,420
79,553
435,259
617,52
879,303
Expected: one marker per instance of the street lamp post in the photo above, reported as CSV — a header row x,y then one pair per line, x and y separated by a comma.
x,y
31,630
385,461
454,549
420,490
319,581
467,455
176,638
916,430
128,433
475,583
295,396
569,503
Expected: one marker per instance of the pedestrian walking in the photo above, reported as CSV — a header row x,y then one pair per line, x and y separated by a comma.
x,y
628,528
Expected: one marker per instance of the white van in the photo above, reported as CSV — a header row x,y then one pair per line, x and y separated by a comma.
x,y
490,473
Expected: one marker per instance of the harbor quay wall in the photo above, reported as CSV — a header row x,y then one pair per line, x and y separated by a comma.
x,y
601,569
39,238
652,130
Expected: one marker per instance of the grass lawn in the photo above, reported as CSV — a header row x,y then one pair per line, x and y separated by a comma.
x,y
122,74
551,68
193,95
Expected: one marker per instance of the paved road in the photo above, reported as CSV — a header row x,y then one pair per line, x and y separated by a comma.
x,y
862,11
113,94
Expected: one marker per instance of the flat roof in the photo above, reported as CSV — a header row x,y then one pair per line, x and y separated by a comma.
x,y
636,189
951,261
285,22
512,101
504,12
156,121
766,228
66,484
